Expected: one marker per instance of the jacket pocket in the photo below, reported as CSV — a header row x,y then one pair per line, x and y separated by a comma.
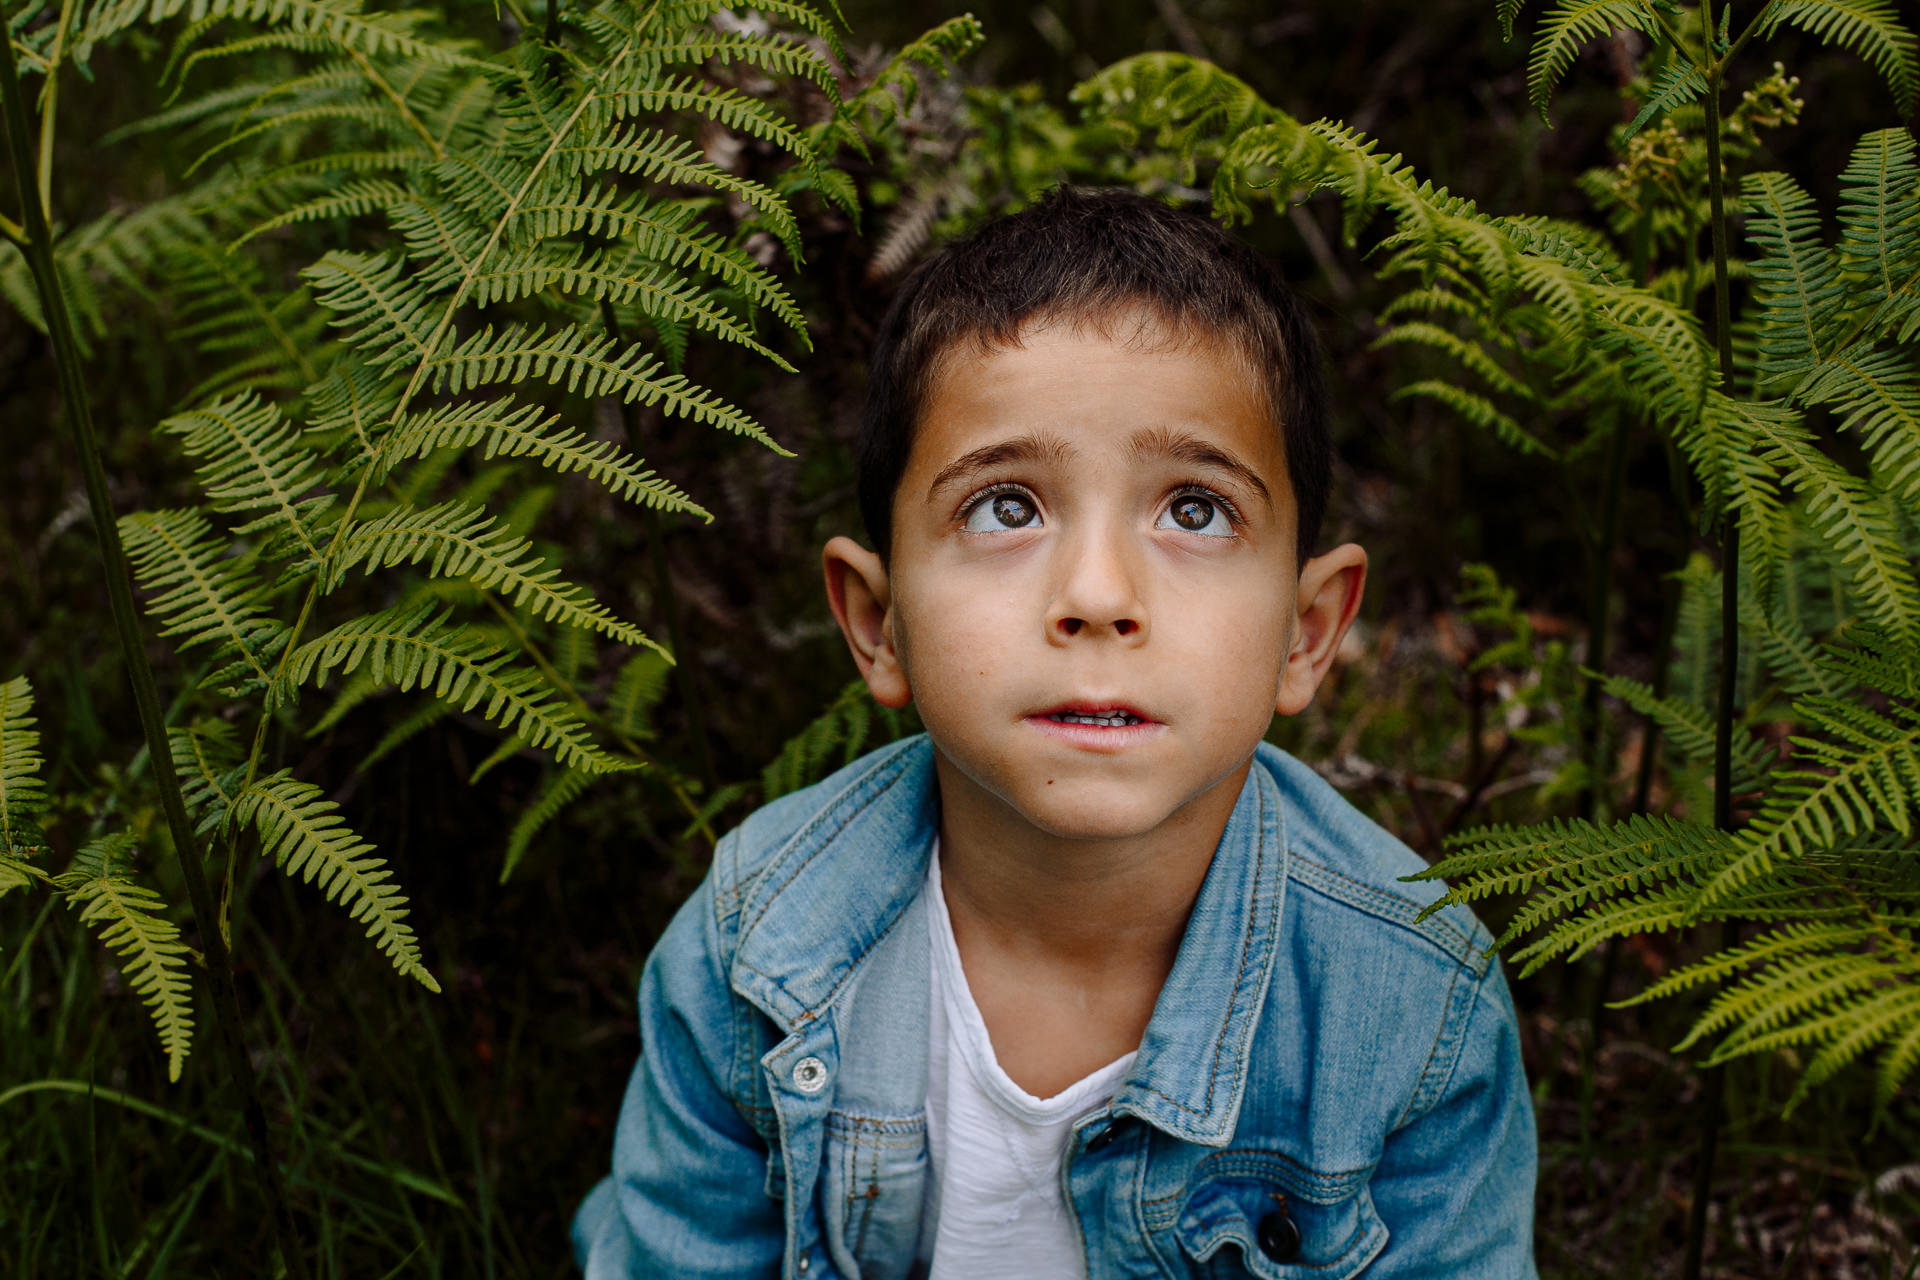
x,y
1239,1204
873,1178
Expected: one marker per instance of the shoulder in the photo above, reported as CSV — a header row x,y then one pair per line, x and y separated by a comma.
x,y
811,814
1348,873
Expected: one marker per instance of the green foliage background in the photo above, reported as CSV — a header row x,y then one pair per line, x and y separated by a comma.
x,y
390,318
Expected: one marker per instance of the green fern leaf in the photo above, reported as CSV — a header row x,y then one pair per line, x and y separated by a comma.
x,y
1679,83
391,317
1480,412
587,364
23,796
403,731
301,830
413,646
1865,771
638,688
130,920
1565,29
560,791
1797,281
202,597
208,759
529,430
252,460
459,539
1880,217
1871,28
1876,395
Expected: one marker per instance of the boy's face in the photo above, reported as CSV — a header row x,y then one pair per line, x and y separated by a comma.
x,y
1093,596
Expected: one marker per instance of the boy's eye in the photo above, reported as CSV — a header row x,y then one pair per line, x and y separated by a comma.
x,y
1005,510
1191,513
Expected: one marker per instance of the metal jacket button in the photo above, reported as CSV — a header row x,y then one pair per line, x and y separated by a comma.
x,y
809,1075
1279,1236
1104,1138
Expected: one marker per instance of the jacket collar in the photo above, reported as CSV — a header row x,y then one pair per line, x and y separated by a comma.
x,y
840,884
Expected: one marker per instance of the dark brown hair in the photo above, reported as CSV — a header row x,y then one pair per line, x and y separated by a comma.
x,y
1090,256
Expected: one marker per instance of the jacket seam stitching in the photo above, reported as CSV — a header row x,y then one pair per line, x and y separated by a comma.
x,y
1447,1032
1462,948
1246,947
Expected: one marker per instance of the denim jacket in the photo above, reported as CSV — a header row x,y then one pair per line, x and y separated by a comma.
x,y
1318,1056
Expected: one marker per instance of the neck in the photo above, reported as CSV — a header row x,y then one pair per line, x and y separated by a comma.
x,y
1097,906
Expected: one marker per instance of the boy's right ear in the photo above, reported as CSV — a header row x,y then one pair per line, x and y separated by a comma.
x,y
862,603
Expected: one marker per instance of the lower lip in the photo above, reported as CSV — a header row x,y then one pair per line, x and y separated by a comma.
x,y
1097,737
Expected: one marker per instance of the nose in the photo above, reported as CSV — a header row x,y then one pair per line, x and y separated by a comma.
x,y
1097,591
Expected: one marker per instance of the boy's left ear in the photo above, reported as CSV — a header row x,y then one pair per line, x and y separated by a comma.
x,y
1329,597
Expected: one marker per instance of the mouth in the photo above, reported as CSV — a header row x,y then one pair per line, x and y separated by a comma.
x,y
1097,717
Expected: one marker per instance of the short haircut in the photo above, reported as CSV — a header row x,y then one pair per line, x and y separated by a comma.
x,y
1088,256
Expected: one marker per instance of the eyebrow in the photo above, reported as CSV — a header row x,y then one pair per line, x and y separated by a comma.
x,y
1183,446
1019,449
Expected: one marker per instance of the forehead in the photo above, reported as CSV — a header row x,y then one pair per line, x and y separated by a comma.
x,y
1094,387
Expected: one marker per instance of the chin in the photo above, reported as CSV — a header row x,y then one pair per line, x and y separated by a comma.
x,y
1091,816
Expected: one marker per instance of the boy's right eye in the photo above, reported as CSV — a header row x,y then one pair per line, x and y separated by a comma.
x,y
1006,509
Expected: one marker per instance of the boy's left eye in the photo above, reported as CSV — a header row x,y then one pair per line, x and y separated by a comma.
x,y
1191,513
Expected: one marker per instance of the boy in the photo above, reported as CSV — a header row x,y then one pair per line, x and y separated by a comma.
x,y
1087,981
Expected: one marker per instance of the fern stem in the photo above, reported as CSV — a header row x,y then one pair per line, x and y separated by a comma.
x,y
79,412
1713,1103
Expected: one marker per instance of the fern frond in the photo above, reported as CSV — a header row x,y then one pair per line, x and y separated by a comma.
x,y
623,279
302,831
1876,395
413,646
23,795
403,731
1568,27
391,317
223,307
1797,281
252,460
653,155
1858,524
588,364
1598,860
1679,83
638,688
202,596
353,200
666,233
1688,730
377,34
459,539
837,734
1879,216
208,759
505,430
1871,28
559,792
1480,412
131,921
895,86
1863,771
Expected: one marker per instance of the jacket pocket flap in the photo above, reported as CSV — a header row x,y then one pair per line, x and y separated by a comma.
x,y
1240,1201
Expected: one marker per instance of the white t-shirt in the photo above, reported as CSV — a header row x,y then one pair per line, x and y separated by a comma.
x,y
996,1206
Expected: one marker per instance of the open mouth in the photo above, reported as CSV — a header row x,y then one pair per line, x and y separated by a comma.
x,y
1102,719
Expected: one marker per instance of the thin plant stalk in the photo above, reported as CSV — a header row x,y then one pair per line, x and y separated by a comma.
x,y
1713,1100
1599,633
36,245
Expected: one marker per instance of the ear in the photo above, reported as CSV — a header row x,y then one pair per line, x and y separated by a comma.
x,y
862,603
1328,599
